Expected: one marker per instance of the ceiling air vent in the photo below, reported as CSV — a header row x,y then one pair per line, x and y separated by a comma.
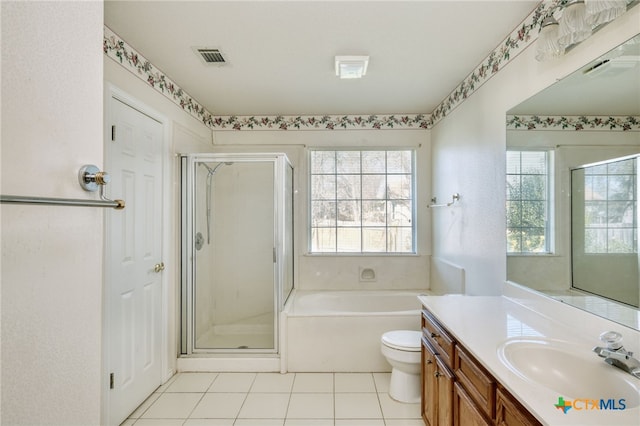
x,y
211,56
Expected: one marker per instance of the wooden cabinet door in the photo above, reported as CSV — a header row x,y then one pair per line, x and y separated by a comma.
x,y
429,385
510,412
445,380
477,382
465,411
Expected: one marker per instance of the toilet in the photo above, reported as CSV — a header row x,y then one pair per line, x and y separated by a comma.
x,y
402,350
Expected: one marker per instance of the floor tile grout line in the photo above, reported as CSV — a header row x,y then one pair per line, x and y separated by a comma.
x,y
244,401
376,385
286,412
145,410
212,382
195,406
333,381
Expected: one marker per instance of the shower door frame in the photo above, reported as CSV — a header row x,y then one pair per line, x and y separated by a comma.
x,y
188,177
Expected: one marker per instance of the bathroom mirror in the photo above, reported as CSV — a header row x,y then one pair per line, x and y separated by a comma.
x,y
591,116
604,229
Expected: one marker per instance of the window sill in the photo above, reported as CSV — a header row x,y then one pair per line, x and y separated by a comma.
x,y
534,255
361,255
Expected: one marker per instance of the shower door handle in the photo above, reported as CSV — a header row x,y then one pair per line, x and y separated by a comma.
x,y
159,267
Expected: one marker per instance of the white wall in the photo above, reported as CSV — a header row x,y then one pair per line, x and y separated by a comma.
x,y
335,272
468,157
51,255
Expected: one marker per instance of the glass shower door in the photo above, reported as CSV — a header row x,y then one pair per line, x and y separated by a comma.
x,y
233,295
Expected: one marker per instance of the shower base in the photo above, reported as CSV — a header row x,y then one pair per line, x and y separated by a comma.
x,y
250,333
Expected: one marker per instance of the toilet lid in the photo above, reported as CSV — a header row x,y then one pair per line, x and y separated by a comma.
x,y
404,340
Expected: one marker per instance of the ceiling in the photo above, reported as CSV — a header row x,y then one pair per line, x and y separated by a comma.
x,y
281,53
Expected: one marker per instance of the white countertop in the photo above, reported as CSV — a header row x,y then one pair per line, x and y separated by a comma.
x,y
483,323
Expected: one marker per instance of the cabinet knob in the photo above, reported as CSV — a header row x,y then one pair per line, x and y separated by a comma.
x,y
435,335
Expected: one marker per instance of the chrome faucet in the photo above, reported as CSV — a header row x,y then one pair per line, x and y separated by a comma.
x,y
615,354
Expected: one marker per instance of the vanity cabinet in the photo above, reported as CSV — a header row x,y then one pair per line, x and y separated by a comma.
x,y
510,412
465,410
478,384
457,390
429,400
438,349
445,383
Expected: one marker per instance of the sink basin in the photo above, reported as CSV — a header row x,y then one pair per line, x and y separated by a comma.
x,y
573,372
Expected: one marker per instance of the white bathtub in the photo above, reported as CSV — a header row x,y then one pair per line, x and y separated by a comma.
x,y
340,330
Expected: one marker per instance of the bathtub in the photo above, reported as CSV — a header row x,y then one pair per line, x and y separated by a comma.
x,y
339,331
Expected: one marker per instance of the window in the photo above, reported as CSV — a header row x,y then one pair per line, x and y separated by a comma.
x,y
362,201
528,202
610,208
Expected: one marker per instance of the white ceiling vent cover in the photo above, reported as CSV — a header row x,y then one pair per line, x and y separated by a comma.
x,y
210,55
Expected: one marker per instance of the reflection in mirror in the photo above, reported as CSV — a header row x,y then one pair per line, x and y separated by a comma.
x,y
591,116
604,231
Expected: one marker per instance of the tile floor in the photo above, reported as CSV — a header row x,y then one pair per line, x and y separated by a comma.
x,y
265,399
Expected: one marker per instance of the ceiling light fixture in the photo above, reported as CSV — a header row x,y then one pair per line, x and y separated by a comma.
x,y
547,44
576,20
351,66
573,25
603,11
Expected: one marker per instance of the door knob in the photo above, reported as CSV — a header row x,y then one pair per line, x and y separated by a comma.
x,y
159,267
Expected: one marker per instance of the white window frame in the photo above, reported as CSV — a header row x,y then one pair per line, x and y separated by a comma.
x,y
606,226
310,200
549,228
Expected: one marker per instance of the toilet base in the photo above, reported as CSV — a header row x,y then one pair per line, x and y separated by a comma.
x,y
404,387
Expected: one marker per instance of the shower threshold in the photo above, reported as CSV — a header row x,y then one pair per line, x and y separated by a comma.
x,y
243,346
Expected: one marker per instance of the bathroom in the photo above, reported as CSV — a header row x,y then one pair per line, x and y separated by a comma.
x,y
465,151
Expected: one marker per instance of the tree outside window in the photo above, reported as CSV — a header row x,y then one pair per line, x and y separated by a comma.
x,y
528,202
362,201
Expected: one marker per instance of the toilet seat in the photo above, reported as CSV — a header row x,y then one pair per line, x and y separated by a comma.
x,y
402,340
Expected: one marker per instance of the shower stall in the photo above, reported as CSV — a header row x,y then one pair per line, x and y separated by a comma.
x,y
237,251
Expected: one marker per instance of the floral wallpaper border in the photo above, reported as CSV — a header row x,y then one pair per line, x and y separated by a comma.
x,y
512,46
118,50
325,122
589,123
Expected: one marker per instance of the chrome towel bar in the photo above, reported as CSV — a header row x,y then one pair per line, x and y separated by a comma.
x,y
90,178
455,199
16,199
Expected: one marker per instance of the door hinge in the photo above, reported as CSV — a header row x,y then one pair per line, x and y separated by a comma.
x,y
274,255
113,133
111,380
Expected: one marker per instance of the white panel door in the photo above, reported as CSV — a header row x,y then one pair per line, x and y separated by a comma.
x,y
133,260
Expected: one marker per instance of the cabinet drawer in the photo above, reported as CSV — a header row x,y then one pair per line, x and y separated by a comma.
x,y
439,339
479,384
